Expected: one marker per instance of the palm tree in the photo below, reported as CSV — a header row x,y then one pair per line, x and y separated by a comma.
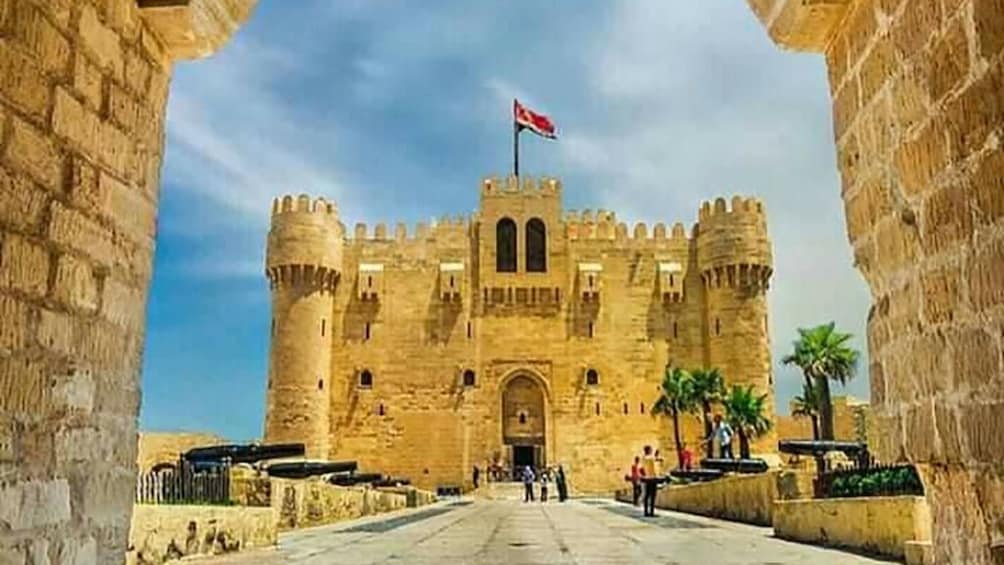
x,y
709,387
744,412
676,397
808,405
822,354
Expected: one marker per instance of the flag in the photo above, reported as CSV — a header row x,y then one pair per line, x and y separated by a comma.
x,y
526,118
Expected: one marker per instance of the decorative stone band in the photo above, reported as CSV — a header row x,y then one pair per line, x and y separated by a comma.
x,y
451,267
590,268
319,277
193,29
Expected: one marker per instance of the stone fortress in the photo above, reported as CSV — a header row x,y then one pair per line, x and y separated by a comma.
x,y
524,333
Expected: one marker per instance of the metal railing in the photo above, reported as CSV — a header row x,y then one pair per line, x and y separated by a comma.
x,y
184,485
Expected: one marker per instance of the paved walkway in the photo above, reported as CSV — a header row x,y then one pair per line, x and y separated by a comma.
x,y
510,533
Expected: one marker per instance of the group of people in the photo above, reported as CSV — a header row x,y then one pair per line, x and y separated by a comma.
x,y
646,471
546,476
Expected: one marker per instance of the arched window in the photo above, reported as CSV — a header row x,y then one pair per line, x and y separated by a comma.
x,y
592,377
505,246
536,246
366,379
469,377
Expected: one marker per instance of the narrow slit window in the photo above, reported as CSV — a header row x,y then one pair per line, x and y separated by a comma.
x,y
369,282
470,330
625,408
641,407
381,411
674,330
366,379
597,408
320,384
469,378
273,326
718,327
366,332
522,418
590,329
324,324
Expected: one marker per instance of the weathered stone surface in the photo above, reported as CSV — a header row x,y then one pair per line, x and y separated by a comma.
x,y
34,504
196,28
24,265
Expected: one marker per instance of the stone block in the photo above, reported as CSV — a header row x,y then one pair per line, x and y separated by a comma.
x,y
128,207
23,385
976,362
988,189
137,73
58,332
22,204
24,265
919,160
73,230
845,108
22,82
949,61
942,294
122,108
975,113
34,504
12,556
987,17
947,219
865,205
877,68
75,284
123,305
74,122
88,81
73,551
14,313
946,421
896,246
982,431
33,31
909,99
38,552
859,28
73,392
985,276
101,42
33,152
920,20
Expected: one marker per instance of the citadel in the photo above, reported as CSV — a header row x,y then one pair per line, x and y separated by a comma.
x,y
525,333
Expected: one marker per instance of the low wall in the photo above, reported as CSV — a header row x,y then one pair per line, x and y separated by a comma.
x,y
308,503
742,498
160,533
880,524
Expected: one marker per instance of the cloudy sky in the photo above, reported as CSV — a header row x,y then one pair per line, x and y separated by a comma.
x,y
395,110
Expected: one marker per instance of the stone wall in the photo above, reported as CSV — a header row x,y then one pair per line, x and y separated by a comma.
x,y
166,447
852,421
742,498
918,111
880,525
162,533
308,503
83,86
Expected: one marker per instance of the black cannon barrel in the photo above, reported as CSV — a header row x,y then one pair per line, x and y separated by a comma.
x,y
701,475
735,465
392,483
355,479
820,447
304,469
247,453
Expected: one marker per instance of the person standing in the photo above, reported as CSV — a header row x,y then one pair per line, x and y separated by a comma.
x,y
636,480
528,478
545,478
561,484
723,433
650,479
477,475
687,457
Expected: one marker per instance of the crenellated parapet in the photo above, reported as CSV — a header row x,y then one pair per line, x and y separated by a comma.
x,y
603,225
733,249
305,242
444,228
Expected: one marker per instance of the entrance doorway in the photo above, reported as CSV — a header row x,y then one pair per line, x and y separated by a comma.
x,y
523,424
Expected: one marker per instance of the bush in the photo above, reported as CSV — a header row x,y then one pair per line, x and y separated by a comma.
x,y
889,481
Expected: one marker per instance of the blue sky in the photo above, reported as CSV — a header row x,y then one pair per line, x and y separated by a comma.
x,y
395,110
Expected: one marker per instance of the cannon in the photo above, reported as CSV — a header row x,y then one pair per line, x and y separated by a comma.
x,y
745,466
236,453
855,450
354,479
697,475
392,483
304,469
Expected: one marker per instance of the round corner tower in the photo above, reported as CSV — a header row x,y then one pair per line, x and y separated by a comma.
x,y
736,263
303,264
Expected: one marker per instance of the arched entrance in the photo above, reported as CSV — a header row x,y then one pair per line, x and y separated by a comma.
x,y
524,422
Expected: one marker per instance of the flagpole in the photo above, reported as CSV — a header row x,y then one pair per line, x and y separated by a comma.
x,y
515,148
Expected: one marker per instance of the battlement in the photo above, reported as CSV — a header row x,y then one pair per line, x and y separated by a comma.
x,y
446,226
604,226
739,206
524,185
303,204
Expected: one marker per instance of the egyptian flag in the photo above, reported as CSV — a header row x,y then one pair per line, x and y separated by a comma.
x,y
526,118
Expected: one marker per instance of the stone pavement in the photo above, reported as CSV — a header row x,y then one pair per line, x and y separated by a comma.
x,y
508,532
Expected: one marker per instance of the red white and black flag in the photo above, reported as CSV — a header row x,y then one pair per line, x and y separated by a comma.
x,y
526,118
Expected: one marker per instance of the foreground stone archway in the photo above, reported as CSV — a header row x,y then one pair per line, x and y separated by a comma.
x,y
918,89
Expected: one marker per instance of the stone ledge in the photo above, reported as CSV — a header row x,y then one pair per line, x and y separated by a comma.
x,y
193,29
801,25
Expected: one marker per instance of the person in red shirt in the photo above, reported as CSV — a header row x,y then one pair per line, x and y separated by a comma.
x,y
687,457
636,479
